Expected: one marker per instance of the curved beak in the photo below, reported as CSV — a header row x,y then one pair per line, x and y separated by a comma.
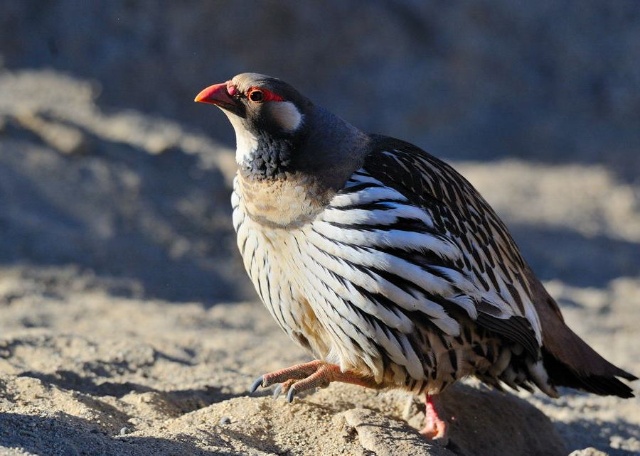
x,y
218,95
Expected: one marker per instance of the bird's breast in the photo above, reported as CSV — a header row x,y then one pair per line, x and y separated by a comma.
x,y
273,257
287,202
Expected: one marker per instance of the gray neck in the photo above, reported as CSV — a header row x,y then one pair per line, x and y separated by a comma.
x,y
333,150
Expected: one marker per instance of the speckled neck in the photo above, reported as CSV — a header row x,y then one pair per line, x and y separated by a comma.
x,y
271,160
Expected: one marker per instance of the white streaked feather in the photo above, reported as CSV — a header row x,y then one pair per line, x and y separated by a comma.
x,y
529,310
414,365
367,195
461,281
348,292
467,303
411,362
408,211
362,177
341,319
235,196
399,162
237,220
506,304
358,216
386,262
366,350
250,246
423,163
377,284
531,315
540,377
380,239
387,214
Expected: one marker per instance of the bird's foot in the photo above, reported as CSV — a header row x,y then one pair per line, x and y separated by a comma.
x,y
303,377
435,427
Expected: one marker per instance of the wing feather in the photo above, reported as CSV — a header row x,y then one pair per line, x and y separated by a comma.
x,y
491,273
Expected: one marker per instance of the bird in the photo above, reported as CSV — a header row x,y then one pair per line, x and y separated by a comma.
x,y
385,263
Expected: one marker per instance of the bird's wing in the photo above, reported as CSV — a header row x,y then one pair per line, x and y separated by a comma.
x,y
443,239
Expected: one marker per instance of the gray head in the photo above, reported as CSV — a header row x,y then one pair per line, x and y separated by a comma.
x,y
268,115
278,130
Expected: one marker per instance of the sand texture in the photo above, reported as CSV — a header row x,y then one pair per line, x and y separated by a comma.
x,y
128,327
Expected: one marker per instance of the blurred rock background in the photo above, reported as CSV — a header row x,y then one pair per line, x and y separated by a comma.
x,y
106,164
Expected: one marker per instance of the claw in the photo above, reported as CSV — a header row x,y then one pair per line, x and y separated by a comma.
x,y
303,377
277,391
256,384
290,394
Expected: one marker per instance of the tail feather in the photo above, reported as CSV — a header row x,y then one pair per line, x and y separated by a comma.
x,y
563,375
568,359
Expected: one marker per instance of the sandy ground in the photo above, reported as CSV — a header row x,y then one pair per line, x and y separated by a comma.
x,y
153,353
86,372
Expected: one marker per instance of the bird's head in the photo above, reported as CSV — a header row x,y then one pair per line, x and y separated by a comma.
x,y
269,118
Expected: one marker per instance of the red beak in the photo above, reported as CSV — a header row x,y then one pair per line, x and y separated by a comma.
x,y
218,95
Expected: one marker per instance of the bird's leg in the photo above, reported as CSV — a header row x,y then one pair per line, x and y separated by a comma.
x,y
314,374
434,427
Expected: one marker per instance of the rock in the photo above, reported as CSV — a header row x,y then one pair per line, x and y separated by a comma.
x,y
490,422
64,138
385,437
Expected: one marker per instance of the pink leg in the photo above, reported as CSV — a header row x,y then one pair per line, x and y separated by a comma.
x,y
314,374
434,427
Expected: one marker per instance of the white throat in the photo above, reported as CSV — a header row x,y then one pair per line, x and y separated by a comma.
x,y
246,142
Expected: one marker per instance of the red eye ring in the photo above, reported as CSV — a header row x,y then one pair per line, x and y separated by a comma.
x,y
259,95
256,95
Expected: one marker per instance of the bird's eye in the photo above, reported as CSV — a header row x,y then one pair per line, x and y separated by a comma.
x,y
256,95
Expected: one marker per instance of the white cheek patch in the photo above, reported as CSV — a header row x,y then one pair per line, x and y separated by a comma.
x,y
246,143
286,115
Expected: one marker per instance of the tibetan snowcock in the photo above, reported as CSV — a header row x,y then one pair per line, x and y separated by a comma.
x,y
385,263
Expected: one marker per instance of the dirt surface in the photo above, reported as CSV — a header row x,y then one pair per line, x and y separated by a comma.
x,y
127,325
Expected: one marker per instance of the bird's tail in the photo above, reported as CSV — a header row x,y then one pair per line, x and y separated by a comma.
x,y
570,361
